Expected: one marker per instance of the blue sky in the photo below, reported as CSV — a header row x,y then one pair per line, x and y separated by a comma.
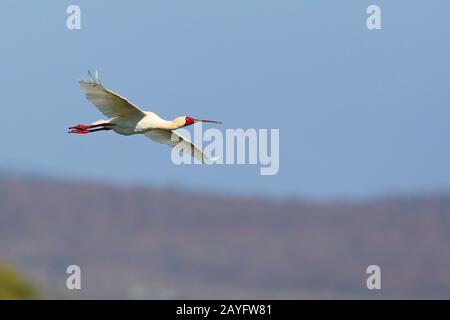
x,y
361,113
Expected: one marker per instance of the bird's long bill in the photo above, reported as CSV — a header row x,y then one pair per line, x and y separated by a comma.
x,y
203,120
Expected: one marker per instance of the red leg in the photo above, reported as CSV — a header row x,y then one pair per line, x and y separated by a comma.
x,y
80,127
79,131
85,127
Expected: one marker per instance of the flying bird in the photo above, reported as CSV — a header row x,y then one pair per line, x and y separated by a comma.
x,y
126,119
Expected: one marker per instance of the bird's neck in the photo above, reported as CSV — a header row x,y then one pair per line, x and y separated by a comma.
x,y
175,123
170,125
156,122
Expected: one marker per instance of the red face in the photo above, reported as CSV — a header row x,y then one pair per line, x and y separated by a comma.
x,y
189,121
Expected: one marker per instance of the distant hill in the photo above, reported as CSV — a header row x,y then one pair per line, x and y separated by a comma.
x,y
149,243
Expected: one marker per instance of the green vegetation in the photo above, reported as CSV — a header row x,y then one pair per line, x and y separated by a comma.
x,y
13,286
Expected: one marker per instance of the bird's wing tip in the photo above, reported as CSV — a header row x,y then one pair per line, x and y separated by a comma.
x,y
92,79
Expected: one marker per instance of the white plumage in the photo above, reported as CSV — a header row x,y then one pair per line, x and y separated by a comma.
x,y
127,119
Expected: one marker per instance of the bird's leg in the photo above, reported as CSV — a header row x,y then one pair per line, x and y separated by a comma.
x,y
99,129
83,129
79,131
86,129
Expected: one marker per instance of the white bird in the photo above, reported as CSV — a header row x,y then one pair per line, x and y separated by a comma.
x,y
127,119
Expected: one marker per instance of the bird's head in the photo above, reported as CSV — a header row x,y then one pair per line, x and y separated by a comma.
x,y
189,120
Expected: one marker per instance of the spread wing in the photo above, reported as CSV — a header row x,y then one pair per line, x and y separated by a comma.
x,y
107,102
175,140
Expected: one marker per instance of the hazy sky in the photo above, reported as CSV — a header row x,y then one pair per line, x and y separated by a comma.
x,y
360,113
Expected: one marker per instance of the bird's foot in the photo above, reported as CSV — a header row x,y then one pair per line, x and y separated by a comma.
x,y
80,127
83,129
86,127
79,131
